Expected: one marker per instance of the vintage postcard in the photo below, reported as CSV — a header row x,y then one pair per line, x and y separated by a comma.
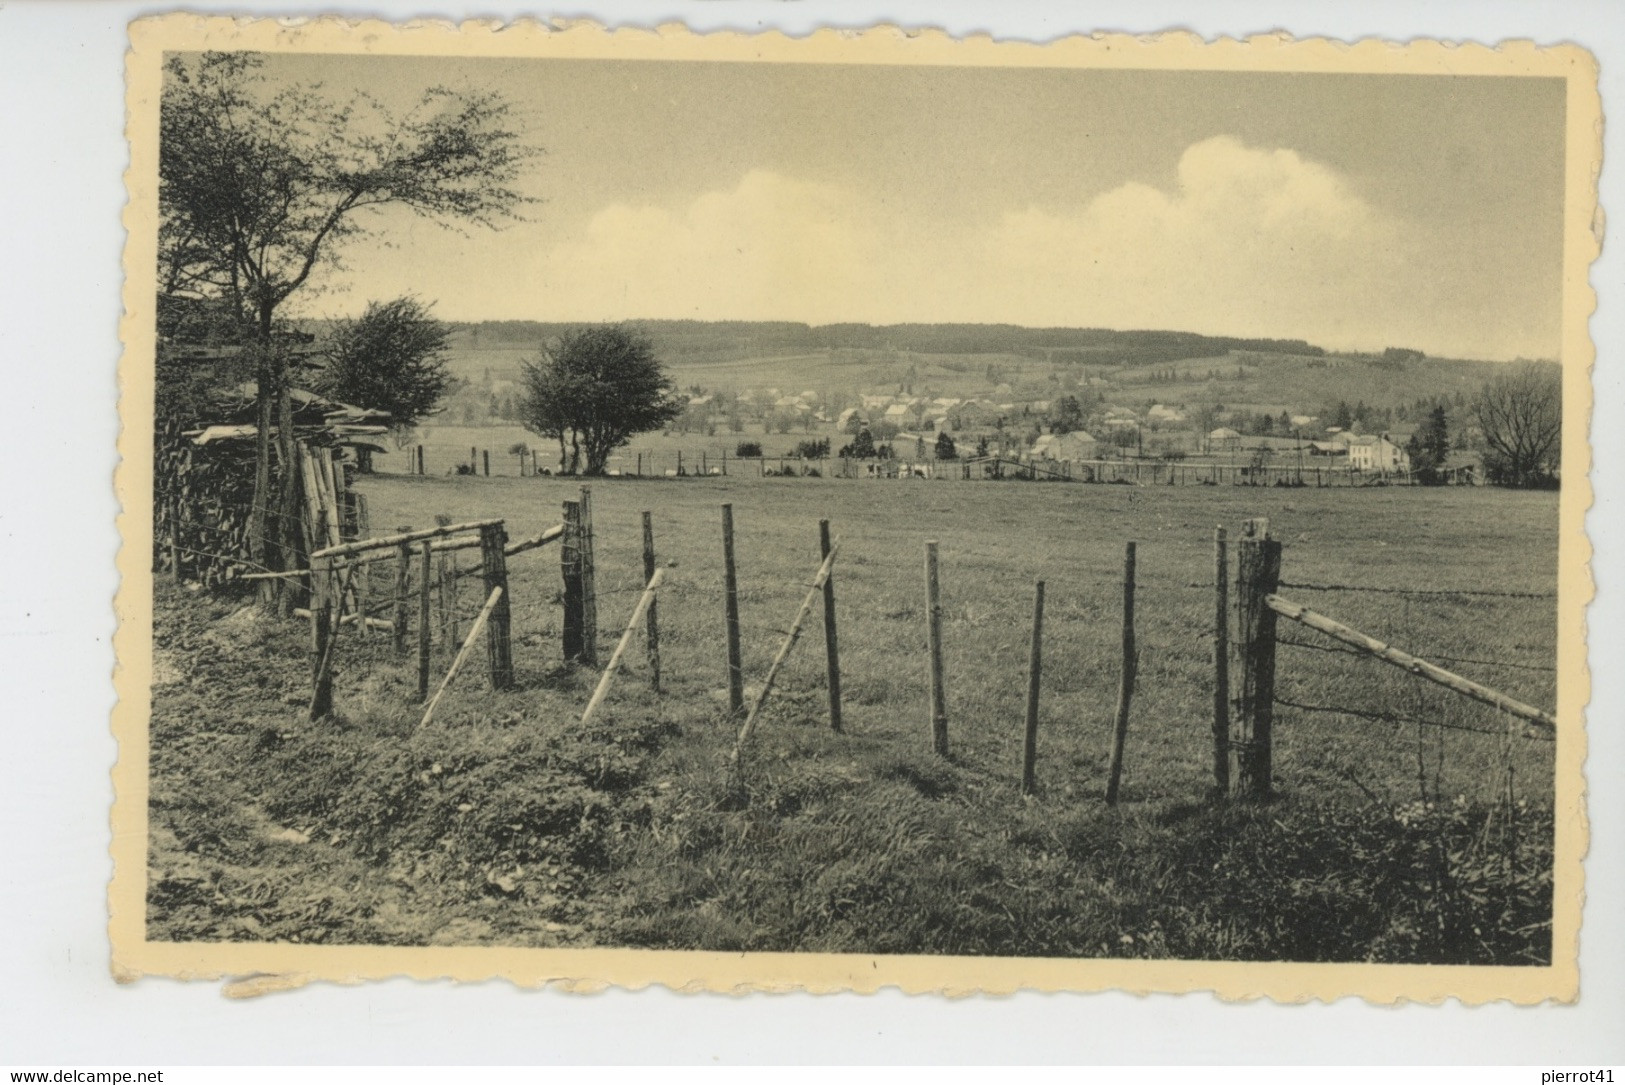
x,y
874,509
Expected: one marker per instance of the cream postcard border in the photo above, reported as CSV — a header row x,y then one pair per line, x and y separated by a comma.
x,y
257,968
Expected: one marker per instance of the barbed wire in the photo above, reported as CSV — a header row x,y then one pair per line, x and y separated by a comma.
x,y
1389,717
1304,586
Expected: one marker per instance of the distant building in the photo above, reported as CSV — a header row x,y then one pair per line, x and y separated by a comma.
x,y
1161,412
846,417
1076,445
1377,453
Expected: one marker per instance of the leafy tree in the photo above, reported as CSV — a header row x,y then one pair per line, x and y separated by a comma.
x,y
1520,414
260,187
946,450
391,358
1429,447
1066,415
595,390
862,446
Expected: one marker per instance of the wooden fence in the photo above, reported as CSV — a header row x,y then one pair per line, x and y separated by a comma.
x,y
1247,615
1307,471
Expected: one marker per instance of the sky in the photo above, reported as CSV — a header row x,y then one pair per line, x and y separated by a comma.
x,y
1354,211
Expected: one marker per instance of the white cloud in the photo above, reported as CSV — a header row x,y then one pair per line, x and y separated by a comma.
x,y
771,246
1249,241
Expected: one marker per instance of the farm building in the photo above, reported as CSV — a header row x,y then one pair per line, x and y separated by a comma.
x,y
1161,412
1223,439
1064,446
851,416
1464,468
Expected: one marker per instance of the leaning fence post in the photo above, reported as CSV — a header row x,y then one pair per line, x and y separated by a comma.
x,y
589,588
494,568
403,589
832,652
933,626
730,593
645,601
1258,575
462,654
570,569
1125,689
1221,664
736,759
1035,664
652,636
425,581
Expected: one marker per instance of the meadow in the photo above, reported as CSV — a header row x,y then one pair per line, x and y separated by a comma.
x,y
1416,829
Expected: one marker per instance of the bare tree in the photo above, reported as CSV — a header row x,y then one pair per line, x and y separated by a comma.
x,y
1520,414
260,187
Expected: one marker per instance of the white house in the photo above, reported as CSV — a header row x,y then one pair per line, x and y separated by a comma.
x,y
1373,453
848,415
1076,445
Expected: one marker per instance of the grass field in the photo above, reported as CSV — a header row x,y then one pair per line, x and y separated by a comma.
x,y
505,822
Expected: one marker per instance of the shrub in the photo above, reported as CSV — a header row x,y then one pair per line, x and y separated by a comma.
x,y
817,449
748,449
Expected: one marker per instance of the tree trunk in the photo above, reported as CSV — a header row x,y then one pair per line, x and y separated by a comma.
x,y
259,521
288,487
263,548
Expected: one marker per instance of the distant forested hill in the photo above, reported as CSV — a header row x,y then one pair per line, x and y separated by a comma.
x,y
717,341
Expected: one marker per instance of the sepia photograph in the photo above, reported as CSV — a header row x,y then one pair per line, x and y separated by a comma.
x,y
854,509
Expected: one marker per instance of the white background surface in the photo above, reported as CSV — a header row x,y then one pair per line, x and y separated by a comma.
x,y
61,191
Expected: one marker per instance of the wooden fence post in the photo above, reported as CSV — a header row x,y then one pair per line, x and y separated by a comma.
x,y
589,584
736,759
449,603
1125,689
1258,575
462,654
403,592
652,635
1035,664
486,456
1221,664
730,594
645,601
322,628
933,620
494,568
832,651
424,630
570,569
